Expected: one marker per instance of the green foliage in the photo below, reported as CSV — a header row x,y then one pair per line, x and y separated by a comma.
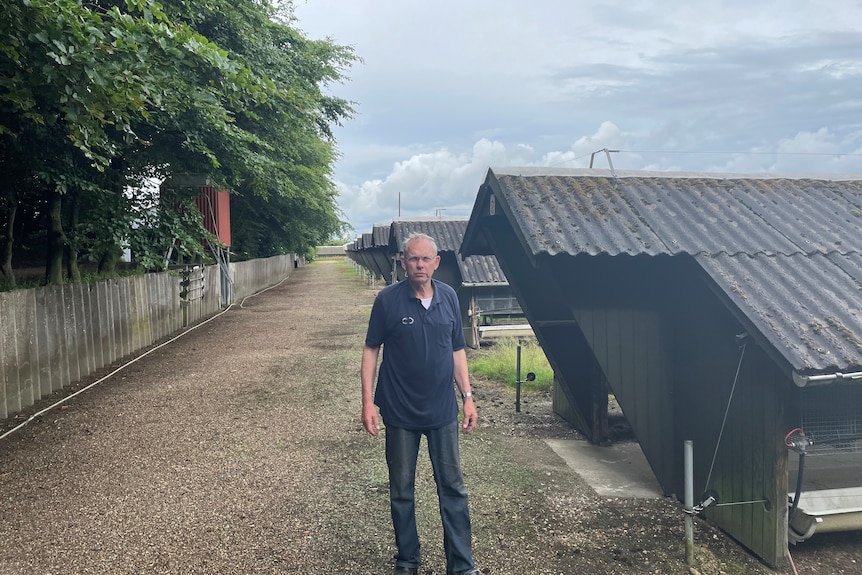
x,y
5,285
98,98
343,238
499,362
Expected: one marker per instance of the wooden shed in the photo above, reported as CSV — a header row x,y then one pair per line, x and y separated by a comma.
x,y
478,280
379,252
722,309
361,253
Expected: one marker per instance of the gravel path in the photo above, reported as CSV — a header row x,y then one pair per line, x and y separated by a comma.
x,y
237,449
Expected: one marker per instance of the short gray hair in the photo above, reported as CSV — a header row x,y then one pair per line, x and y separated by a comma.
x,y
417,236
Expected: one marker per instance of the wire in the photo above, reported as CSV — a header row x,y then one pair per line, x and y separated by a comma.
x,y
242,303
726,411
98,381
125,365
716,153
733,503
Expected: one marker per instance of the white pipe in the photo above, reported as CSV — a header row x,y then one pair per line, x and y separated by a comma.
x,y
689,501
803,380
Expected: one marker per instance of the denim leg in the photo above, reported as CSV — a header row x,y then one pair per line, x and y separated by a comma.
x,y
452,493
402,449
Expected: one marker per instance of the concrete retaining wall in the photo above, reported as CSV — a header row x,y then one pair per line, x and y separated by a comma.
x,y
53,336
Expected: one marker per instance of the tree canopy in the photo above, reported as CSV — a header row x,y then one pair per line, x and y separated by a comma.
x,y
98,98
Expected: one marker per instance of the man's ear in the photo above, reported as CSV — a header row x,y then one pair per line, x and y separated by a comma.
x,y
403,263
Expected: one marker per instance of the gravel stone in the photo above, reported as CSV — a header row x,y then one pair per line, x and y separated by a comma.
x,y
237,449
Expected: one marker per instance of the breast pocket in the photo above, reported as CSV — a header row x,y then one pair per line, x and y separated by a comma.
x,y
439,328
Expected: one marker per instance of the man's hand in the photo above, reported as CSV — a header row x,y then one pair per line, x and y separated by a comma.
x,y
367,371
470,416
369,419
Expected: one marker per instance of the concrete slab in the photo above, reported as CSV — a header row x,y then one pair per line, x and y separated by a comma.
x,y
620,470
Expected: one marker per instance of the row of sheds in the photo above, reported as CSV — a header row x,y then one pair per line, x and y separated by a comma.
x,y
721,309
482,288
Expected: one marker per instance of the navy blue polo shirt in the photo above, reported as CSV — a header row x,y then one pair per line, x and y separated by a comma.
x,y
415,382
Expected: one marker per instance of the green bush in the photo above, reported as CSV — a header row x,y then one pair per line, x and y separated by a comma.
x,y
499,362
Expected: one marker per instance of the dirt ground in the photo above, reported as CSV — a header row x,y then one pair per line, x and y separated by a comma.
x,y
237,449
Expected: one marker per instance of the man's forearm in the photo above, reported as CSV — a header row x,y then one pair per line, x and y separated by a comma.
x,y
367,371
462,376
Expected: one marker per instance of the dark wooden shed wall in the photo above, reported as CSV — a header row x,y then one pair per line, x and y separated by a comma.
x,y
668,351
750,455
554,326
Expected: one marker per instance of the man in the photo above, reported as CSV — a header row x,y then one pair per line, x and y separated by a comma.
x,y
418,323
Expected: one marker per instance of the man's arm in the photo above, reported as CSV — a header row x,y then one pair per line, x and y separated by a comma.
x,y
367,373
462,380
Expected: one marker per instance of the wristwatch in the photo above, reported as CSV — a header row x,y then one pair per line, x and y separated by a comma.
x,y
466,395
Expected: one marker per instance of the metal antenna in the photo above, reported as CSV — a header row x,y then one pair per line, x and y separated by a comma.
x,y
608,155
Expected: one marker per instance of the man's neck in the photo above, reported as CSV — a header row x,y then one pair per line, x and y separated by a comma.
x,y
424,290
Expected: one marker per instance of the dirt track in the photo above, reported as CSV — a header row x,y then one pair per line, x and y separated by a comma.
x,y
237,449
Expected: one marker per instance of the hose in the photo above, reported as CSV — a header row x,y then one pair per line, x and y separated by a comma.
x,y
796,496
796,440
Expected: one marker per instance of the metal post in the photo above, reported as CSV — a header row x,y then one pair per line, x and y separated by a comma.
x,y
689,501
518,381
185,283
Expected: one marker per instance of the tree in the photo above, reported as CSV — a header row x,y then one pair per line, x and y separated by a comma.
x,y
98,97
286,179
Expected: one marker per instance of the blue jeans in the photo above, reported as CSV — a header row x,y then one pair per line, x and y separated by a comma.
x,y
402,451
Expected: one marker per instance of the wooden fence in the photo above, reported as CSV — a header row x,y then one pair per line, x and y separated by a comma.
x,y
53,336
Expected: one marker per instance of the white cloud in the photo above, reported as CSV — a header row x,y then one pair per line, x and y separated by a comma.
x,y
443,182
450,88
426,184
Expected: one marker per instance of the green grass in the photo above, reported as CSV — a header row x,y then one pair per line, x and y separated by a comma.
x,y
499,362
348,266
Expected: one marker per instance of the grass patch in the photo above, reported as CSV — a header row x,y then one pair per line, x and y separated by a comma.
x,y
355,269
499,362
6,285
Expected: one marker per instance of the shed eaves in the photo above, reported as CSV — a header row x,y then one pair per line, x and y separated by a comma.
x,y
481,271
785,251
656,214
448,233
380,235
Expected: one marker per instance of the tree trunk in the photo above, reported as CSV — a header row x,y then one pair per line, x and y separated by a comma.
x,y
8,244
71,244
109,260
56,241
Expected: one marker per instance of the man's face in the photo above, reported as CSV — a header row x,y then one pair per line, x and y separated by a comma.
x,y
419,261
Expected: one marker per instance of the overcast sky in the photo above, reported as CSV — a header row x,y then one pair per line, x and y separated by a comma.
x,y
449,88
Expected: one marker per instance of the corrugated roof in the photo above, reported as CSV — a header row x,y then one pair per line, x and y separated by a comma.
x,y
481,270
331,250
656,214
448,234
786,251
380,235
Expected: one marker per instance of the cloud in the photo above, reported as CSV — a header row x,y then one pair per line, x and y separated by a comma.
x,y
445,183
426,184
450,88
